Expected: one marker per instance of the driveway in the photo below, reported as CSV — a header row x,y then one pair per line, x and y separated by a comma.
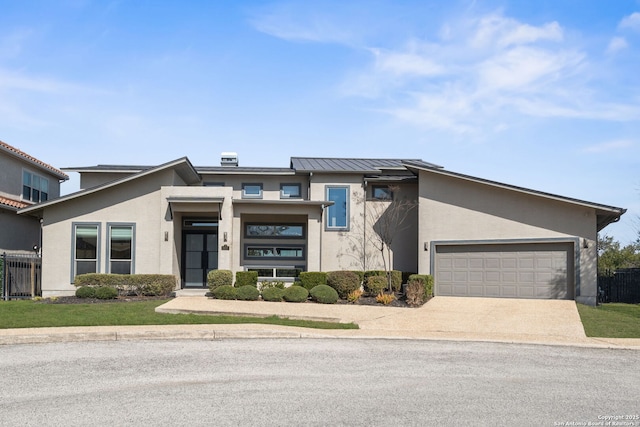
x,y
491,319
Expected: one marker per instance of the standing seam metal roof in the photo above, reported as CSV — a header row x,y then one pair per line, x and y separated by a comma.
x,y
324,164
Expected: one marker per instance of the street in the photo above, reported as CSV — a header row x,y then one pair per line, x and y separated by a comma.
x,y
315,382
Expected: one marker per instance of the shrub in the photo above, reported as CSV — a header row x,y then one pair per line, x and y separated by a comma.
x,y
247,293
244,278
375,285
354,296
428,283
224,292
360,275
295,294
415,294
86,292
266,284
396,277
343,282
106,292
127,284
273,294
311,279
324,294
217,278
385,299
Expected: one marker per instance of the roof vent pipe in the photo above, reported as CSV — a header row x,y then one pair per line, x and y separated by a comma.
x,y
229,159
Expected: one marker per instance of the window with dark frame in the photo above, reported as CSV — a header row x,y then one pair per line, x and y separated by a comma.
x,y
252,191
121,249
290,191
85,251
35,188
381,192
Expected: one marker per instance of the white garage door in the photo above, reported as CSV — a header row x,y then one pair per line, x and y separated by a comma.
x,y
536,270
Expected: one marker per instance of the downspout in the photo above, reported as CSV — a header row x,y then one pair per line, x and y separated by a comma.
x,y
321,233
364,228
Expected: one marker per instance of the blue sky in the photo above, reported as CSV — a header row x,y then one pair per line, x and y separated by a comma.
x,y
542,94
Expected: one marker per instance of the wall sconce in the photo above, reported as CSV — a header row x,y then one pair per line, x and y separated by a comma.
x,y
585,243
426,246
166,236
224,236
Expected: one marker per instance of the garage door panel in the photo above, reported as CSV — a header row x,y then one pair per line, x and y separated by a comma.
x,y
505,270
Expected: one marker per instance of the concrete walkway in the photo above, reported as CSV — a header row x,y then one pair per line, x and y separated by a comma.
x,y
550,322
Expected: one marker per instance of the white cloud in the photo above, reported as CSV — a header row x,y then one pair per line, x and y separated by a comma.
x,y
617,44
496,30
607,146
631,22
406,63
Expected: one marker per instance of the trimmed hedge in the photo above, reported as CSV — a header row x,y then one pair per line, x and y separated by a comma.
x,y
86,292
396,277
311,279
227,292
324,294
375,285
273,294
247,293
427,279
295,294
343,282
106,292
127,284
244,278
360,275
217,278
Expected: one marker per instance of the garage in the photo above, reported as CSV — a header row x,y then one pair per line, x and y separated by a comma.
x,y
525,270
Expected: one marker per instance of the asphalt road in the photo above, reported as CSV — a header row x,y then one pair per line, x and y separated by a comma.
x,y
315,382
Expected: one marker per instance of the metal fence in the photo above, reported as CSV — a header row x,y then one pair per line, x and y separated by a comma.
x,y
21,276
620,286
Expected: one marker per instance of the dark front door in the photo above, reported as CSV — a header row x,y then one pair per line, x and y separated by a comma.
x,y
199,257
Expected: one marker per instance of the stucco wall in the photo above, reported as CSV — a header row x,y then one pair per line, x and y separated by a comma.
x,y
18,232
11,177
136,202
452,209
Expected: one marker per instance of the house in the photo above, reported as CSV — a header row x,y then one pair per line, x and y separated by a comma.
x,y
476,237
24,181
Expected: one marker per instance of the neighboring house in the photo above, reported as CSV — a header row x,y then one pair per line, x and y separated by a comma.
x,y
477,237
24,181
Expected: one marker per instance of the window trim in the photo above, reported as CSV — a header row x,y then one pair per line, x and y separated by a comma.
x,y
274,269
74,226
290,184
251,196
345,227
133,244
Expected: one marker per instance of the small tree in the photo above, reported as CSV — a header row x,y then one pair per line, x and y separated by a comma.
x,y
611,256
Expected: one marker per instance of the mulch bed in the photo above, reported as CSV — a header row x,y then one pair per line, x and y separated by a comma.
x,y
398,302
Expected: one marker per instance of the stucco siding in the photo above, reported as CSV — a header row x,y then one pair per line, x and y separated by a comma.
x,y
11,169
18,232
454,209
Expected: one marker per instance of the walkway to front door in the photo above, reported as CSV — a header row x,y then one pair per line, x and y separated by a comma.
x,y
200,256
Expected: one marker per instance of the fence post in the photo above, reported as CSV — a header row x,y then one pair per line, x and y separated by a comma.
x,y
3,276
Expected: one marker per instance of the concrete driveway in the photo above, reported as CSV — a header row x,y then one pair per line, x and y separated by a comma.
x,y
494,319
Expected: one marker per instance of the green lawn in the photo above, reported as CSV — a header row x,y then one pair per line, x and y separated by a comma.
x,y
611,320
31,314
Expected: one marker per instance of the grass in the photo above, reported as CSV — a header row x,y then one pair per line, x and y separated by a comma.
x,y
611,320
31,314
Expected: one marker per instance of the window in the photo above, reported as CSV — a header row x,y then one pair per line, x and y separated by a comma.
x,y
34,187
274,230
270,251
277,272
252,191
86,249
381,192
338,213
290,191
120,248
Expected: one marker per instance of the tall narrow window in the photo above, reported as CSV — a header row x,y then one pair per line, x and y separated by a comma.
x,y
338,213
86,248
121,249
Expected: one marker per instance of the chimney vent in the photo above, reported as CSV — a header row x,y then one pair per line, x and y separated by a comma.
x,y
229,159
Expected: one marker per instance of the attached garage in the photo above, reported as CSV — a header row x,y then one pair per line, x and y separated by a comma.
x,y
522,270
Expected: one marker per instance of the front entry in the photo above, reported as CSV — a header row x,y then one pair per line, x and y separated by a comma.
x,y
199,257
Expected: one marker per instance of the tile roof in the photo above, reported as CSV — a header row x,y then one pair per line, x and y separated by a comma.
x,y
18,153
12,203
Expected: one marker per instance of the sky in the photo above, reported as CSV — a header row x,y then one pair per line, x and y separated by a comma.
x,y
541,94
